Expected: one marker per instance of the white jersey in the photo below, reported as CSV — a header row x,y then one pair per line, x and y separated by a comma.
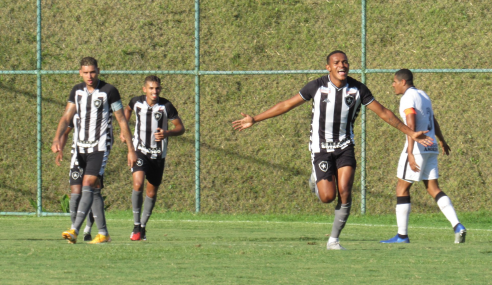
x,y
424,119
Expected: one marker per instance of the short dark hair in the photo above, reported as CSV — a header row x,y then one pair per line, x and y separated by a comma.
x,y
88,61
332,53
152,78
405,74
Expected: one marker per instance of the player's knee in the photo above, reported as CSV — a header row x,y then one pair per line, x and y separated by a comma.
x,y
137,185
345,192
326,196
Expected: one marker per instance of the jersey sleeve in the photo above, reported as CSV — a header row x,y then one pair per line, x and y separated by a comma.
x,y
113,96
407,102
172,113
366,96
309,90
132,102
71,97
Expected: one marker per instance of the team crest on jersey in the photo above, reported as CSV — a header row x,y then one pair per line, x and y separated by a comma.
x,y
139,162
350,100
158,116
323,166
97,103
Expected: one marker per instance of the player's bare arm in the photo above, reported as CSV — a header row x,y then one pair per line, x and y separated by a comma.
x,y
125,131
65,120
410,119
442,142
392,120
277,110
63,142
128,114
178,130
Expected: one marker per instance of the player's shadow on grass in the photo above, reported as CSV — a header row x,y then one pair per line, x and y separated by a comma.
x,y
252,159
31,95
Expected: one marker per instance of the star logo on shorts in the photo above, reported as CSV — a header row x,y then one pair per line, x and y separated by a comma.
x,y
139,162
323,166
158,116
97,103
75,175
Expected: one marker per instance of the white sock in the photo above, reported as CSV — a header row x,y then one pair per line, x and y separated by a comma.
x,y
87,229
447,209
332,239
402,214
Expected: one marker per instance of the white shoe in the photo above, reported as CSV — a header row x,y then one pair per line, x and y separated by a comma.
x,y
334,246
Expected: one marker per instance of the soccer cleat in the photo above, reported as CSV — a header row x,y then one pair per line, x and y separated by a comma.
x,y
396,239
334,246
70,236
142,233
459,234
100,239
312,183
87,237
136,235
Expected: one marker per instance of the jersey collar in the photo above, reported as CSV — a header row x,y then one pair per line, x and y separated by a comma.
x,y
338,89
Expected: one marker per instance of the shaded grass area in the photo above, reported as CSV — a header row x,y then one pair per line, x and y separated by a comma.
x,y
265,169
243,249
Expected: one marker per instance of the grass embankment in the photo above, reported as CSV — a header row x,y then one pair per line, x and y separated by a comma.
x,y
264,169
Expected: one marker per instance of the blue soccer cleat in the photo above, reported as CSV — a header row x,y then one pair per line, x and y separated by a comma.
x,y
396,239
459,234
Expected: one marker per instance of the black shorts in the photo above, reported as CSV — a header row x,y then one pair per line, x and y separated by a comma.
x,y
153,168
326,164
89,164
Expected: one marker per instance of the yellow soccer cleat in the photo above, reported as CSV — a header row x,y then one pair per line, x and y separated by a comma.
x,y
70,236
100,239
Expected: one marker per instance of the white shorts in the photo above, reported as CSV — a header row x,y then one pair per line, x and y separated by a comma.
x,y
428,167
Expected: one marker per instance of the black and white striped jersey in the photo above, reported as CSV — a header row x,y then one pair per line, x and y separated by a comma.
x,y
148,119
94,129
334,112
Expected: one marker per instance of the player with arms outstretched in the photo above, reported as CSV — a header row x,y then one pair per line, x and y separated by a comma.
x,y
337,99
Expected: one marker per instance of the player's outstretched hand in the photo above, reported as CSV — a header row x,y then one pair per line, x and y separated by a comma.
x,y
445,147
159,135
422,139
244,123
59,157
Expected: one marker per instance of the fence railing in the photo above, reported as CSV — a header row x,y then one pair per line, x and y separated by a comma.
x,y
197,73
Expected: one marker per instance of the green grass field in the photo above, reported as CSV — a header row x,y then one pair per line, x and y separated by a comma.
x,y
184,248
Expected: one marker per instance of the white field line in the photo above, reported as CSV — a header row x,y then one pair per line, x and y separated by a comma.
x,y
268,222
310,223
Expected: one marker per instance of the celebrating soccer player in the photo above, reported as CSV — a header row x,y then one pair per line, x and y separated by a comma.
x,y
94,101
336,103
418,163
150,141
